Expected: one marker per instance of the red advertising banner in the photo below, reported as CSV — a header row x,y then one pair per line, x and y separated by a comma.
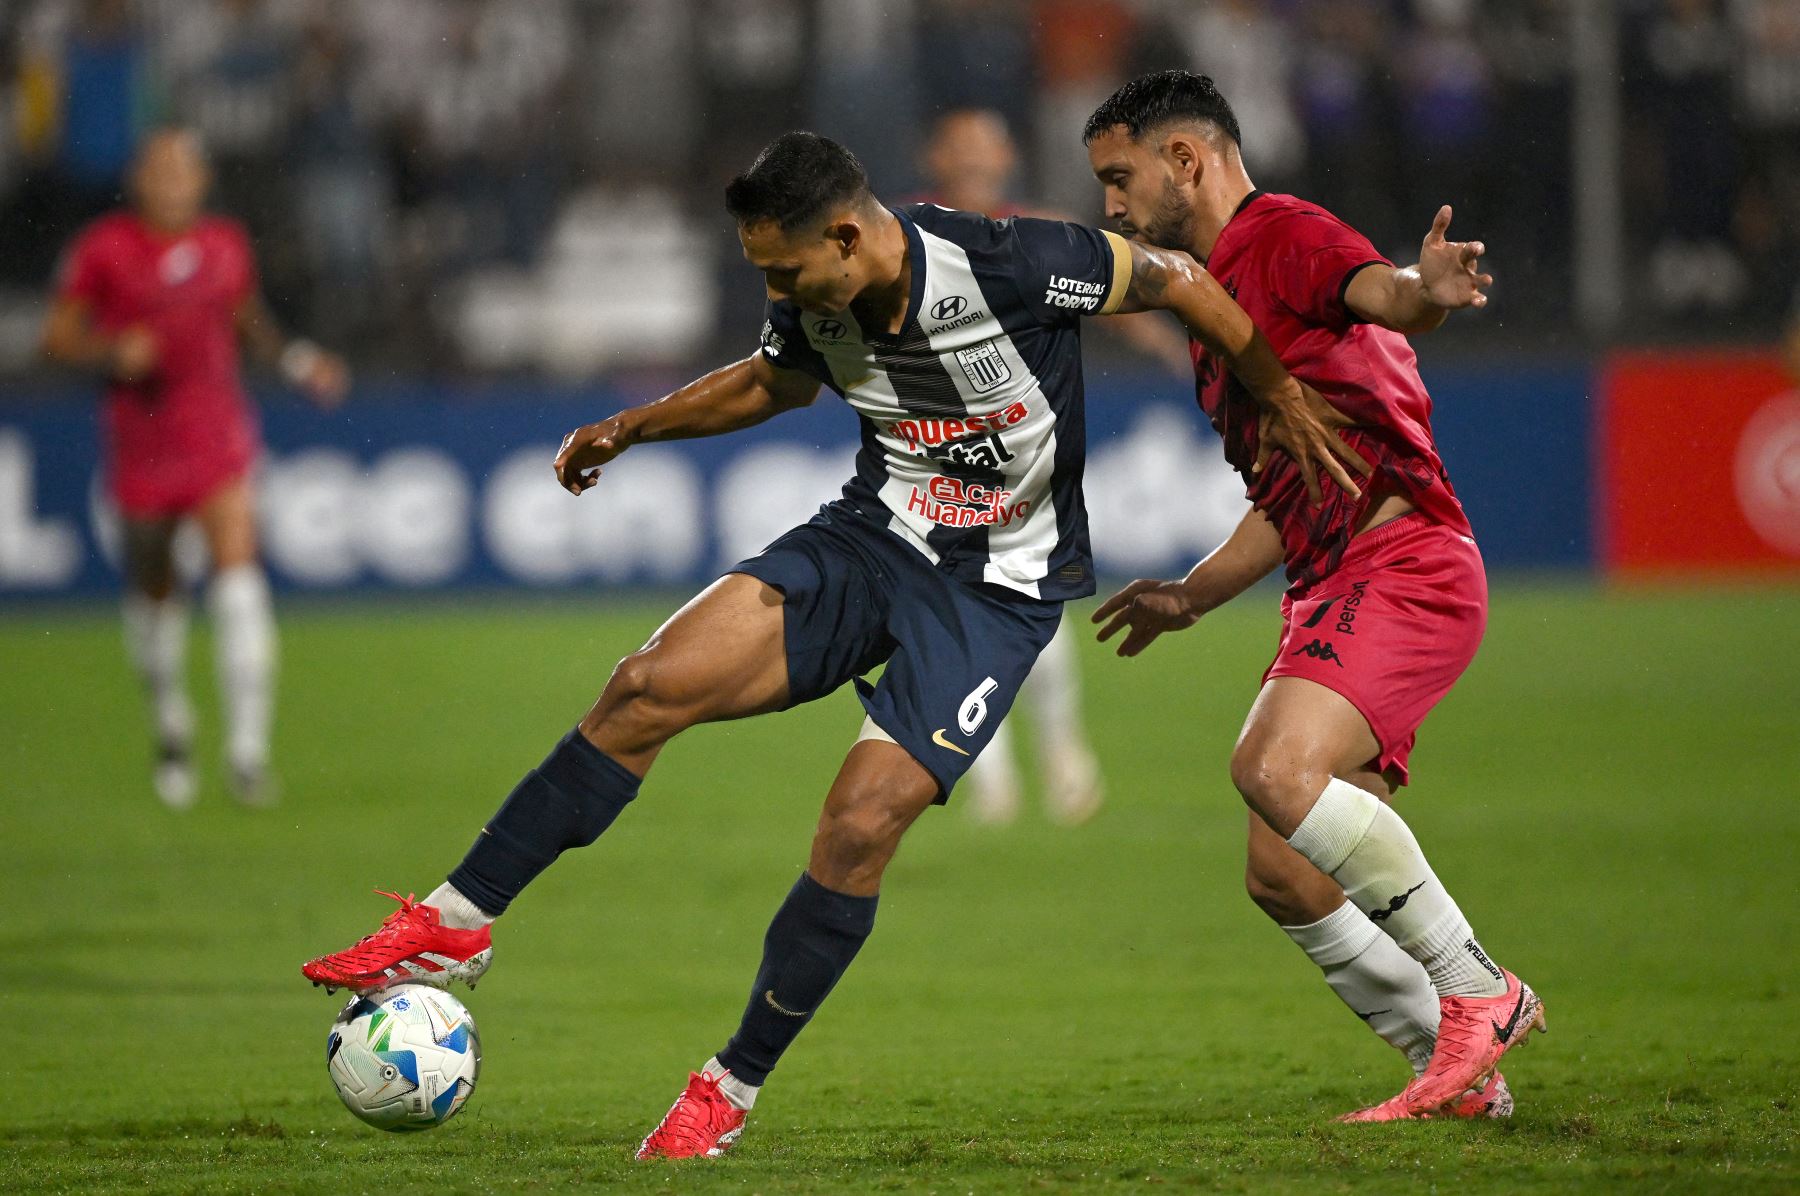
x,y
1698,457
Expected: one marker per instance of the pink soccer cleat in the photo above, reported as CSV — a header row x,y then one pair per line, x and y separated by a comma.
x,y
1493,1101
413,946
702,1123
1473,1032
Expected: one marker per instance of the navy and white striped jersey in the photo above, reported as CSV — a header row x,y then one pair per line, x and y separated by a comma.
x,y
973,433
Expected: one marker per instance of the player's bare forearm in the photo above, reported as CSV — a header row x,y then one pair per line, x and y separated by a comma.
x,y
1394,298
260,335
69,338
1170,280
1295,418
740,395
1416,299
1252,552
1146,609
322,376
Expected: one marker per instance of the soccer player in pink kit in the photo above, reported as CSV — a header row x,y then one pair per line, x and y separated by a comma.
x,y
1387,598
155,299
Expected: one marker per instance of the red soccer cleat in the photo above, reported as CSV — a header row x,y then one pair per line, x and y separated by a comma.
x,y
413,946
1493,1101
702,1123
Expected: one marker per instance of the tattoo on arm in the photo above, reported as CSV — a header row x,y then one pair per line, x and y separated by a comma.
x,y
1149,277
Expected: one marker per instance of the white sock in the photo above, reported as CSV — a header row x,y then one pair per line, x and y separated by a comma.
x,y
1351,836
244,641
1382,985
457,911
736,1091
995,778
156,638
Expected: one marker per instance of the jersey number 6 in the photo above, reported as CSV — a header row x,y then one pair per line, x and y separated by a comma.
x,y
974,707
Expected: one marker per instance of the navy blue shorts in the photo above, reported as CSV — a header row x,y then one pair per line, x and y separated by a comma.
x,y
856,595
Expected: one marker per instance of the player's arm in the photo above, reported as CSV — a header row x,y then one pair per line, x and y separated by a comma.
x,y
1295,418
1149,607
322,376
71,338
1418,298
739,395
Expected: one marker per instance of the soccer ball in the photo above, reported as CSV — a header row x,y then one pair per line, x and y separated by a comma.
x,y
404,1058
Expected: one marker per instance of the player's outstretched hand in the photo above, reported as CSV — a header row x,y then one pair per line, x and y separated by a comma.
x,y
1451,270
1149,608
585,450
1307,431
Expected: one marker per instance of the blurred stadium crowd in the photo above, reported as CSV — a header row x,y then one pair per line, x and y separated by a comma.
x,y
534,184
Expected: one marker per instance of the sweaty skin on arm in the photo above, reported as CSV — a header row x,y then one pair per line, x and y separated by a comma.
x,y
740,395
1295,419
1149,607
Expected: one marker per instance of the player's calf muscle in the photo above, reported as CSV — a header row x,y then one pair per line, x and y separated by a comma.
x,y
867,812
1283,884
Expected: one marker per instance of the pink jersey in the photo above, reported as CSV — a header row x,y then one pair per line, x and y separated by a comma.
x,y
190,416
1287,263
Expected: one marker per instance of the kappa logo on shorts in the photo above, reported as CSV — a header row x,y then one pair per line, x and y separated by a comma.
x,y
937,737
1320,651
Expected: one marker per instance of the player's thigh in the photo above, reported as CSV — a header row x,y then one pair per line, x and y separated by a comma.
x,y
149,555
878,793
1298,735
228,518
720,656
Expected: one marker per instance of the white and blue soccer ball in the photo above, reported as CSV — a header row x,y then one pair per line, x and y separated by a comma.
x,y
404,1058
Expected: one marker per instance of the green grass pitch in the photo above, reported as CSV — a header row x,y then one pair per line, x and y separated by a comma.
x,y
1611,792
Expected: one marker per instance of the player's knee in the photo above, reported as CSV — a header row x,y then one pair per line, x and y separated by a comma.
x,y
1273,780
640,693
860,833
1254,773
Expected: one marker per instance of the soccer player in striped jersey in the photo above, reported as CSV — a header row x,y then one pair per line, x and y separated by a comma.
x,y
955,340
1387,601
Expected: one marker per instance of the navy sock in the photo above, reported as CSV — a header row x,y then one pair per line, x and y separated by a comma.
x,y
567,801
815,935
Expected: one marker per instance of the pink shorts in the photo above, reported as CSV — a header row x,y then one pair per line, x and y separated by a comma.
x,y
1391,629
149,488
163,463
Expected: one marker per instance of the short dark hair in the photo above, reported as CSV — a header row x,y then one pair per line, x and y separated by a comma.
x,y
1152,101
796,179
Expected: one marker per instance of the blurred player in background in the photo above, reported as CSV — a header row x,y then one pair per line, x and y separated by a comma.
x,y
1387,601
970,160
956,340
155,300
